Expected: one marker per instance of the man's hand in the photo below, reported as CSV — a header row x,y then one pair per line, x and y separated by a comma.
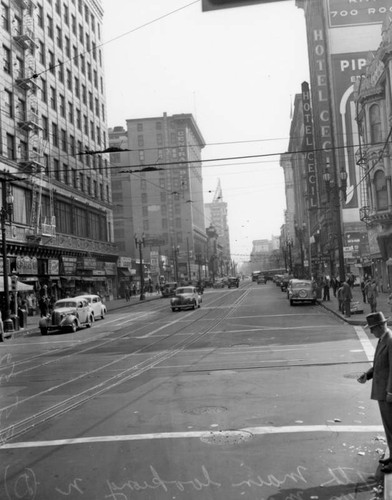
x,y
363,378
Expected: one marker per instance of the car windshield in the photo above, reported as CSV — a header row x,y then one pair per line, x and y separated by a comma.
x,y
184,290
65,303
301,284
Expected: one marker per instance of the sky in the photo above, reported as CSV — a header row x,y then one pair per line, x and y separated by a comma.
x,y
237,71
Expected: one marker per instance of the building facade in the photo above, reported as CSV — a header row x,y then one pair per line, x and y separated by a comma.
x,y
374,99
158,194
216,214
53,112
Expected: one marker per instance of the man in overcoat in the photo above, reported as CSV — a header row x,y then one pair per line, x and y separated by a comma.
x,y
381,375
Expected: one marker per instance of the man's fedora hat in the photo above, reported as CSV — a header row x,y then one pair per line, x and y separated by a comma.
x,y
375,319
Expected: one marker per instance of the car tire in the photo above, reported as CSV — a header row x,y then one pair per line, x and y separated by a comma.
x,y
291,302
103,314
198,306
194,306
173,309
90,321
74,326
44,330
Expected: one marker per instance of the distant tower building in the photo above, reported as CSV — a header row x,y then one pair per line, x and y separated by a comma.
x,y
216,215
158,191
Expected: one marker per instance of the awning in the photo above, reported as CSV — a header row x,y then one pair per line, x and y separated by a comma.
x,y
124,272
21,287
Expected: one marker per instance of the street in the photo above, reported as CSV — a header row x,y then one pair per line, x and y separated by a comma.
x,y
245,397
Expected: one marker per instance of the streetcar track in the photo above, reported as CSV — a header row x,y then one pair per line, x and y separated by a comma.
x,y
24,425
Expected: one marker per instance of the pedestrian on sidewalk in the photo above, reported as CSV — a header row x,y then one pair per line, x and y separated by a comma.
x,y
326,286
363,290
381,375
340,299
371,295
347,296
334,285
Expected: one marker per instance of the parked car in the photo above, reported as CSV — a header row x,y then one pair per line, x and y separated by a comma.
x,y
302,291
261,279
187,297
219,283
97,306
169,289
69,315
233,282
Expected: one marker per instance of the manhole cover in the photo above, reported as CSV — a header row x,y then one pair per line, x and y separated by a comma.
x,y
224,438
353,375
201,410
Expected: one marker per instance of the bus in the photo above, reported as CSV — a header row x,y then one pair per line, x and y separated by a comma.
x,y
256,274
268,273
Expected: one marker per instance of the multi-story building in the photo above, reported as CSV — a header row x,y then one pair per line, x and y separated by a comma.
x,y
374,101
52,126
339,39
158,193
216,215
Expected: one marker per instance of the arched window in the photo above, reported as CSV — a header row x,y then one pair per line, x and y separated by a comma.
x,y
375,124
381,190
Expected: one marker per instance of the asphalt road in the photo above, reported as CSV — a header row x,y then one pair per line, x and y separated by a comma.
x,y
244,398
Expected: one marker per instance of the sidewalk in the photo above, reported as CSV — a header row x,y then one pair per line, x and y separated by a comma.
x,y
357,319
112,305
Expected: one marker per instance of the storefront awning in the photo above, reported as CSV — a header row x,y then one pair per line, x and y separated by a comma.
x,y
124,272
21,287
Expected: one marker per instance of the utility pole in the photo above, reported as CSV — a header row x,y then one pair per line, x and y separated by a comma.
x,y
6,211
140,243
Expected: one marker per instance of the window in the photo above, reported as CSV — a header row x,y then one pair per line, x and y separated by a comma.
x,y
75,56
58,7
21,110
5,17
85,124
53,101
73,24
6,60
84,94
51,62
72,149
92,132
49,22
78,119
69,79
70,112
40,16
46,164
11,147
144,198
140,141
59,37
41,53
45,128
65,174
56,168
17,25
60,71
87,41
381,190
95,79
19,67
82,64
74,178
67,46
375,124
9,108
98,135
66,14
89,71
55,135
97,107
62,105
64,146
77,88
44,91
140,127
81,179
90,101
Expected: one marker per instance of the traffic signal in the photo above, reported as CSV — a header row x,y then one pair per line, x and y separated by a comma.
x,y
225,4
14,283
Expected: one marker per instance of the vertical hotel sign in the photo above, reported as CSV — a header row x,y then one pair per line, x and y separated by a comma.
x,y
309,147
321,98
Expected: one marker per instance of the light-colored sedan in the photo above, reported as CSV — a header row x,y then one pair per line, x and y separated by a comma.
x,y
187,297
97,306
68,314
302,291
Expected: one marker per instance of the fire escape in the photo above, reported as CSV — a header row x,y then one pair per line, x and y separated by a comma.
x,y
31,156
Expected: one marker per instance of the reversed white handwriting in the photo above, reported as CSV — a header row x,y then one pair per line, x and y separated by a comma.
x,y
119,492
344,475
6,361
272,480
24,486
72,486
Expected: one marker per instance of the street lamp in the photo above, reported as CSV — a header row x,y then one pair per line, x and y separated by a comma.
x,y
139,242
6,214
